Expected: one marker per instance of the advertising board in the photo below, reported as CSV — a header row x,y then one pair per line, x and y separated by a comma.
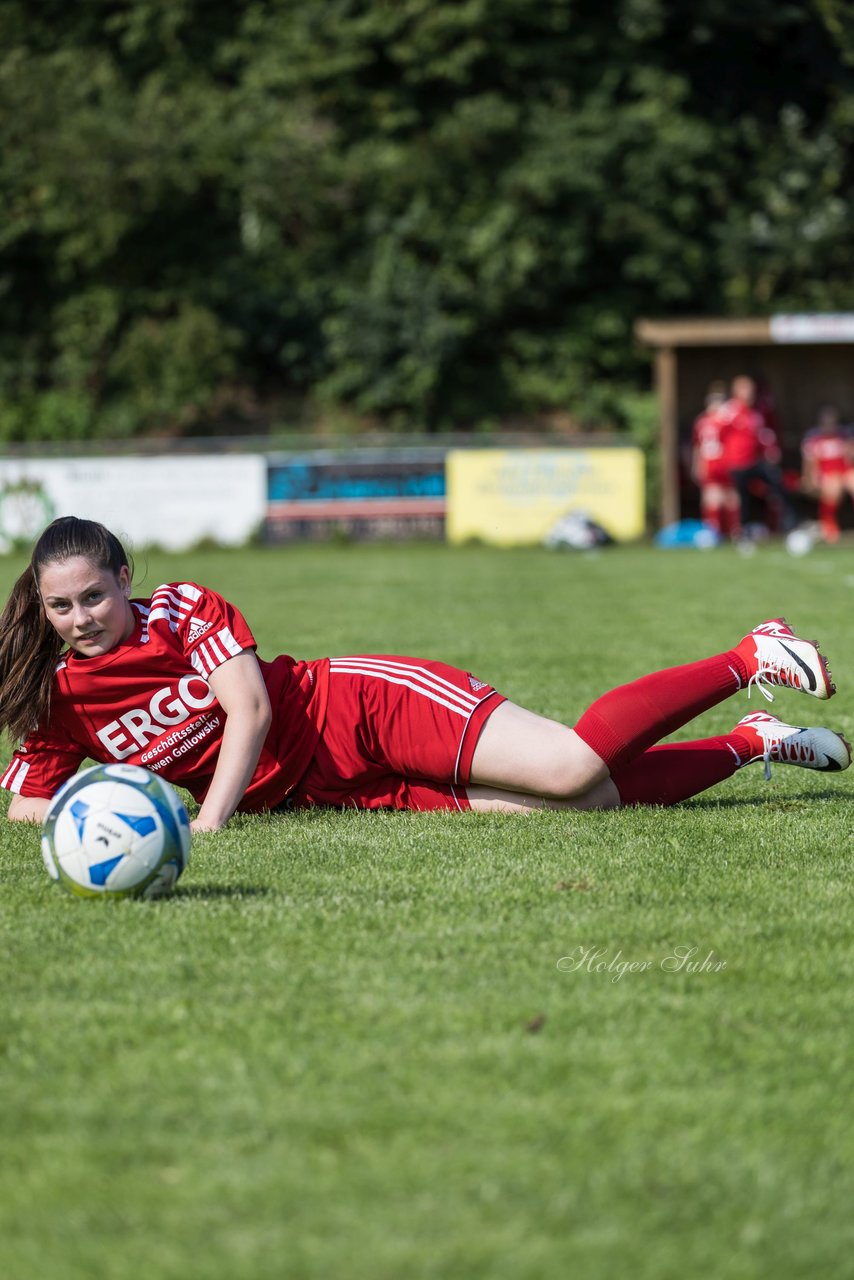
x,y
514,497
169,502
363,494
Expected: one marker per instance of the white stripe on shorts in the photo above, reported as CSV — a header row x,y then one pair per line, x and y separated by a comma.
x,y
423,681
414,677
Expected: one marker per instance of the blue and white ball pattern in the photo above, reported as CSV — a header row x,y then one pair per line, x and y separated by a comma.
x,y
116,830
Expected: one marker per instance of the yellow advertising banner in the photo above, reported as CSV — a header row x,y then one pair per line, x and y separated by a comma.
x,y
515,497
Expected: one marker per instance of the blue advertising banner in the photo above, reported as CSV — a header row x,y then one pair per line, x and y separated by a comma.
x,y
363,494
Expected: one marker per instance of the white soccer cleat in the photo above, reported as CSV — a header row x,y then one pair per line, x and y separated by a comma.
x,y
772,741
775,655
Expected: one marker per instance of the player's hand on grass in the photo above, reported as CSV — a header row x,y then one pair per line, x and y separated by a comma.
x,y
204,824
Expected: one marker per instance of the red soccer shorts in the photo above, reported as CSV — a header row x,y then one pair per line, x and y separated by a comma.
x,y
400,733
715,471
833,468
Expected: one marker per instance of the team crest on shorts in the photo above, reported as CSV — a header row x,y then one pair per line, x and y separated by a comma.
x,y
476,685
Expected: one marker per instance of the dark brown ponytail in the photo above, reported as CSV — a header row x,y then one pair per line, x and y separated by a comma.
x,y
29,646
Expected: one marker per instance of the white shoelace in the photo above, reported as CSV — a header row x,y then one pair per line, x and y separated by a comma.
x,y
759,678
766,761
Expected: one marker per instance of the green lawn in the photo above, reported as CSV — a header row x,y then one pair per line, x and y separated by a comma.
x,y
346,1048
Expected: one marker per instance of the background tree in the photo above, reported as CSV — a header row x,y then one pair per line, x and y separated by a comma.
x,y
426,214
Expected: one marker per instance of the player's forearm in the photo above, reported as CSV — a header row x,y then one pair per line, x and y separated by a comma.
x,y
27,809
242,741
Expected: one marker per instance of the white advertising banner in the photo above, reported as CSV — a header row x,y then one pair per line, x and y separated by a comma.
x,y
829,327
169,502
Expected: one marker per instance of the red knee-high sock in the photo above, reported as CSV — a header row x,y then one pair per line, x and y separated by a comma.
x,y
625,722
828,517
678,770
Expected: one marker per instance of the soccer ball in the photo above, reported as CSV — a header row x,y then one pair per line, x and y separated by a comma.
x,y
116,830
799,542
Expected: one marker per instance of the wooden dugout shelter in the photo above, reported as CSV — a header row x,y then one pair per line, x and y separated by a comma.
x,y
804,361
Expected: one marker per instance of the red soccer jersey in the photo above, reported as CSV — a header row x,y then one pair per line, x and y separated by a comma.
x,y
747,439
708,441
148,702
829,451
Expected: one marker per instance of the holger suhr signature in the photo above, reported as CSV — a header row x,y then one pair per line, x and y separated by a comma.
x,y
681,959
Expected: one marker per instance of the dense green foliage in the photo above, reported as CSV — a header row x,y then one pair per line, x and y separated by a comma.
x,y
345,1049
431,212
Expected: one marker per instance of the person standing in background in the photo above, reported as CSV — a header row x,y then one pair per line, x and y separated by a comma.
x,y
719,500
827,455
752,453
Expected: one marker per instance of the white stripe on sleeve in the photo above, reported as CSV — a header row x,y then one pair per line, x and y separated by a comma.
x,y
214,651
217,655
228,642
13,778
173,604
4,781
206,662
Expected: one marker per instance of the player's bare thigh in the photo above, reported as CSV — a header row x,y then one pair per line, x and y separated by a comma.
x,y
531,756
496,800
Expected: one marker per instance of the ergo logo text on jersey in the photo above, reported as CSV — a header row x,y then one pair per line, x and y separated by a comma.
x,y
135,728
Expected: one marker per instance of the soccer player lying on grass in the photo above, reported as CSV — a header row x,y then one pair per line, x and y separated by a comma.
x,y
172,683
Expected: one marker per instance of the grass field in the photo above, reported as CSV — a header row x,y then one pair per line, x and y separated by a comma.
x,y
346,1046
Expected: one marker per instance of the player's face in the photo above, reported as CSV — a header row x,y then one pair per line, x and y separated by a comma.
x,y
744,389
87,606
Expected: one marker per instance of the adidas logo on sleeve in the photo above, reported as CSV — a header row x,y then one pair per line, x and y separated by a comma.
x,y
197,628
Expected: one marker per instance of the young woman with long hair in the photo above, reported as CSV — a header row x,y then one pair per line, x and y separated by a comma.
x,y
172,682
